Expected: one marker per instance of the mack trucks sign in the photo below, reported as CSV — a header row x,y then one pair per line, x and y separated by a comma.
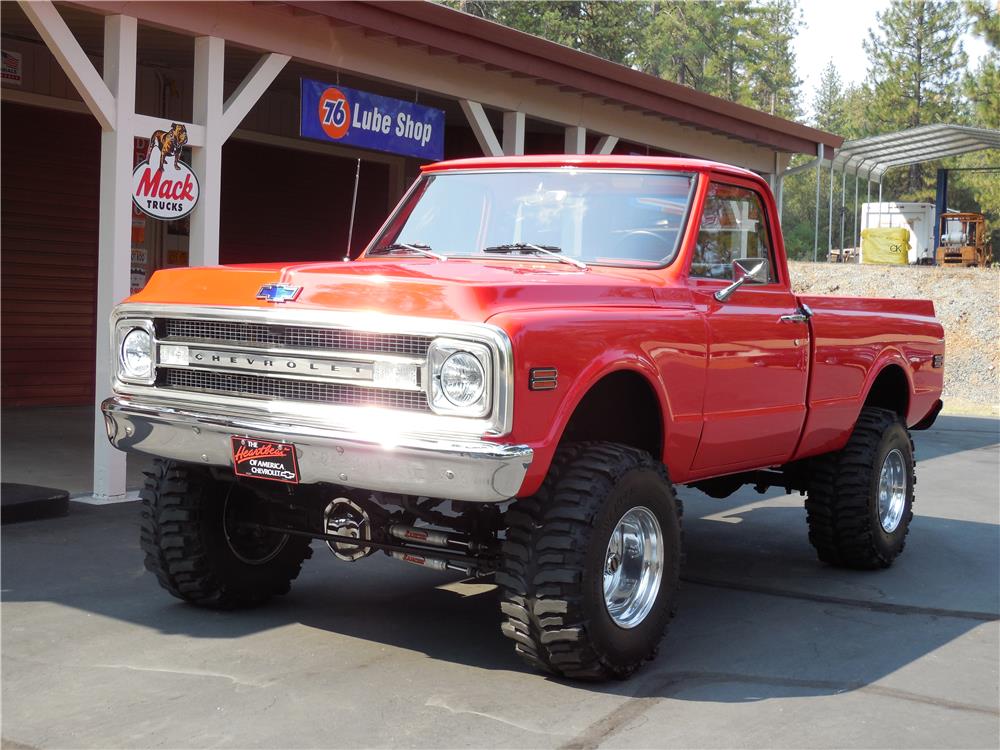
x,y
358,118
163,186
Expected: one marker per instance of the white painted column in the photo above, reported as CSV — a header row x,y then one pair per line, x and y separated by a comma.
x,y
575,140
829,226
779,194
513,133
209,68
819,173
114,235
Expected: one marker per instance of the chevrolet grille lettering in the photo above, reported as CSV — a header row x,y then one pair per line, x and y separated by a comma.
x,y
315,366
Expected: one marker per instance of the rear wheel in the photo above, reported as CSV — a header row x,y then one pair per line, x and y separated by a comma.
x,y
197,545
860,498
591,564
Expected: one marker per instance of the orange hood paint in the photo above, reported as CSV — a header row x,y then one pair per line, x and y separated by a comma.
x,y
471,290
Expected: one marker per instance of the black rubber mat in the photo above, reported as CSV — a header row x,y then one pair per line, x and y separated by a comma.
x,y
26,502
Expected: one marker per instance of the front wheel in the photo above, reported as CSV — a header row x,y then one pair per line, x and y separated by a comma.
x,y
860,499
196,543
591,563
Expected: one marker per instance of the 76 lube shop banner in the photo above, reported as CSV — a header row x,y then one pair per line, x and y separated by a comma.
x,y
358,118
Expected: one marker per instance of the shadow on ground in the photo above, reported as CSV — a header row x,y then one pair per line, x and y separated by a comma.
x,y
759,617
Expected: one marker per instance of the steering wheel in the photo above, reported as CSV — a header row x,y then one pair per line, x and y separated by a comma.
x,y
640,244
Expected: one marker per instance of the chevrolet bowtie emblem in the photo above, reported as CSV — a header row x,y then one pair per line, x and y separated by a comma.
x,y
279,292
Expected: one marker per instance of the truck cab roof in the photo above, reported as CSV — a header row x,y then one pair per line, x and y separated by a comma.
x,y
592,161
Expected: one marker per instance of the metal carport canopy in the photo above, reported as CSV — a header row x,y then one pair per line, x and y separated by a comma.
x,y
876,154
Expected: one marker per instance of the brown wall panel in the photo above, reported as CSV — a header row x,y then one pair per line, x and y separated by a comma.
x,y
284,205
48,255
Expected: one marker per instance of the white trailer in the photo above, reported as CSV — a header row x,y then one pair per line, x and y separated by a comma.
x,y
918,218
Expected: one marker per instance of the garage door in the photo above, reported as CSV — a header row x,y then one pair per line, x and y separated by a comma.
x,y
48,268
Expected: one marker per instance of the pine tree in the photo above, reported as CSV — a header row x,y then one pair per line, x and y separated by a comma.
x,y
915,68
771,69
982,86
829,105
612,29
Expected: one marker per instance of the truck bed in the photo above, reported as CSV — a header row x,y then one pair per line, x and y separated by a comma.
x,y
852,339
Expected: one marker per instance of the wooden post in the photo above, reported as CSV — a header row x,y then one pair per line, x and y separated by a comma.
x,y
114,236
209,62
513,133
575,140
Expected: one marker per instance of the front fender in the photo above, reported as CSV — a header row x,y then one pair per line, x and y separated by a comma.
x,y
586,346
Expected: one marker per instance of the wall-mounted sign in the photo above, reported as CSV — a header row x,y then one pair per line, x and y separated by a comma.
x,y
12,66
163,186
357,118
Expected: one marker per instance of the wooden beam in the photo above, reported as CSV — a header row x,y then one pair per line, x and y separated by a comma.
x,y
606,144
248,93
74,61
143,125
481,127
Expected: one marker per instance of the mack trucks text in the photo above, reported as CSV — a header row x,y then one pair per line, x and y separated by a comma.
x,y
509,382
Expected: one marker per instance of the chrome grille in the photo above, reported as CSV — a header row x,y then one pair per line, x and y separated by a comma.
x,y
257,386
294,337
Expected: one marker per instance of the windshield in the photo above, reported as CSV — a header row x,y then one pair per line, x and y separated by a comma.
x,y
593,216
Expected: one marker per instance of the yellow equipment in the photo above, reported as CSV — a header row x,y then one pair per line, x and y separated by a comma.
x,y
964,240
885,245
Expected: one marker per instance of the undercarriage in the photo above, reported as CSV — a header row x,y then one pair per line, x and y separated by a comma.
x,y
354,524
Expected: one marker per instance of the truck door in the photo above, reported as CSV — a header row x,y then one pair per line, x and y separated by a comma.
x,y
758,339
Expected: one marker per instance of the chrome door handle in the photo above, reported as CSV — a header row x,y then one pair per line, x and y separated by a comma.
x,y
794,318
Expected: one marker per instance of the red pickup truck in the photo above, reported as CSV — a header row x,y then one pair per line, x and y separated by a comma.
x,y
509,382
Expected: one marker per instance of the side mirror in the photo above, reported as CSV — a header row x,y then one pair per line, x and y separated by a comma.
x,y
745,271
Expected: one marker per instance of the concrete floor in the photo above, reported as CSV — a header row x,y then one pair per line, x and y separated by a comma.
x,y
54,447
770,648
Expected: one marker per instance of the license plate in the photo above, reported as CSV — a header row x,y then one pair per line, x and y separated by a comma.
x,y
264,459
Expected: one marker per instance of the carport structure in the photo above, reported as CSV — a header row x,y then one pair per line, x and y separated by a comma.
x,y
501,81
875,155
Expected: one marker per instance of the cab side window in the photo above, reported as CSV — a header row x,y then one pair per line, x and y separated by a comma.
x,y
733,225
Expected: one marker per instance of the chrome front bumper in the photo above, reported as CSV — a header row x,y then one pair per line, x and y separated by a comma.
x,y
472,470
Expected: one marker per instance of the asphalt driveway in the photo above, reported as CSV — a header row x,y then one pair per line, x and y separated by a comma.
x,y
770,648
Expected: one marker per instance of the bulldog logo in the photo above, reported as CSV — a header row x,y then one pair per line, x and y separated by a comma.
x,y
169,143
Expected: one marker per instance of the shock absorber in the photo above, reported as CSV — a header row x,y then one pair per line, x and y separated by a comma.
x,y
434,563
431,537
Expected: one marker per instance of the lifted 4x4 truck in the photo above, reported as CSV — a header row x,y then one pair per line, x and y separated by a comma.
x,y
528,357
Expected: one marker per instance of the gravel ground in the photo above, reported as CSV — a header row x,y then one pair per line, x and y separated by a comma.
x,y
966,302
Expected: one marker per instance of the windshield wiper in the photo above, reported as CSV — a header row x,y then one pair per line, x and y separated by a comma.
x,y
418,247
526,247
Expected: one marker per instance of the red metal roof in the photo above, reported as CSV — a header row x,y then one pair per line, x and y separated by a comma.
x,y
478,41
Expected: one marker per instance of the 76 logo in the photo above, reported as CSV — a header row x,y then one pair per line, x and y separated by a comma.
x,y
334,113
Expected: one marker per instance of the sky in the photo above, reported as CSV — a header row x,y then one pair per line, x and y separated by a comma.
x,y
837,30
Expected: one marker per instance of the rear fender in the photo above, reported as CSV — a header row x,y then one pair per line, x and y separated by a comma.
x,y
889,356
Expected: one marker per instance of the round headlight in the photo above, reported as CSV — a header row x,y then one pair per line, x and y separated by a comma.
x,y
137,354
463,379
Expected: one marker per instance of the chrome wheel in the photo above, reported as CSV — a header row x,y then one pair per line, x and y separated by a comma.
x,y
892,491
633,567
250,545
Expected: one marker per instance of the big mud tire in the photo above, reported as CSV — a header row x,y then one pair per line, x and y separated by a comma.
x,y
559,546
860,498
198,553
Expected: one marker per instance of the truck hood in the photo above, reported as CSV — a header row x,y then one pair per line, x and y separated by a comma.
x,y
470,290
